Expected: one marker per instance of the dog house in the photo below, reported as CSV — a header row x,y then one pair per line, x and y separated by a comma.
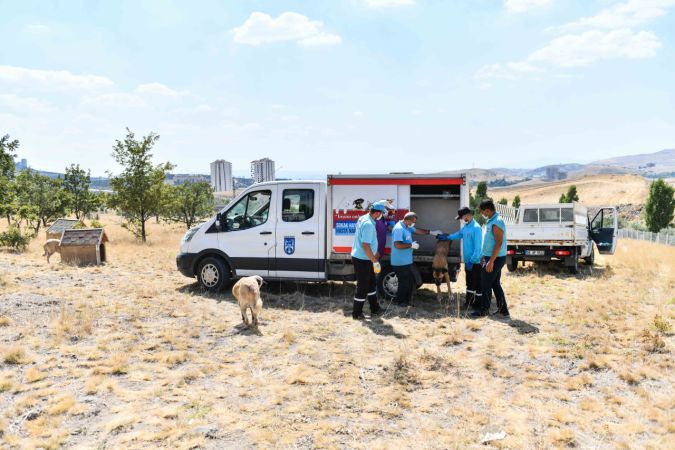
x,y
58,227
84,246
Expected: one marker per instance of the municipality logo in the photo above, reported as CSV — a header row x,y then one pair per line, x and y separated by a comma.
x,y
289,245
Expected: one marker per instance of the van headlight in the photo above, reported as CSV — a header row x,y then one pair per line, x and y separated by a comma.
x,y
188,235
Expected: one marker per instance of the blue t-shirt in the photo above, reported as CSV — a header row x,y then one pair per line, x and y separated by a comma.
x,y
401,233
489,239
365,233
472,240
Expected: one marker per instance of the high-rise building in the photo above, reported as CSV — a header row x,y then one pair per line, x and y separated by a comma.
x,y
21,165
262,170
221,176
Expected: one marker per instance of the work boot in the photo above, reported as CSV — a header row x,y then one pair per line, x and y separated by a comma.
x,y
375,308
357,313
477,314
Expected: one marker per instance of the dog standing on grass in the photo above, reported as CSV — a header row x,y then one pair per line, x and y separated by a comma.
x,y
51,246
247,293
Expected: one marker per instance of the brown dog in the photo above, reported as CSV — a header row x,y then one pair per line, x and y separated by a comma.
x,y
51,246
439,267
247,293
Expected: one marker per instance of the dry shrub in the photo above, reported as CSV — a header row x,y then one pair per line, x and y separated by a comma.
x,y
579,382
631,377
404,371
6,381
563,437
119,364
5,321
15,355
653,343
662,325
61,405
33,375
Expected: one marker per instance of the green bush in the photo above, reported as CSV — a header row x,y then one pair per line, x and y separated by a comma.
x,y
14,239
96,224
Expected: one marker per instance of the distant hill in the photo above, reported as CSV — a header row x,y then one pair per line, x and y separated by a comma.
x,y
650,165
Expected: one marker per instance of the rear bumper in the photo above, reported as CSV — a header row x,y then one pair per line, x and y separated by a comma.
x,y
540,253
185,264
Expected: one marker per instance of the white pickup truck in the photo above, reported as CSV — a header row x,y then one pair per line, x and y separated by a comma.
x,y
561,232
304,230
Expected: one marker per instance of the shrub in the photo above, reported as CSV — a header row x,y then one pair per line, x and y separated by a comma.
x,y
96,224
14,239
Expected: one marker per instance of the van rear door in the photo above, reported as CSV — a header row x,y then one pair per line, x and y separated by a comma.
x,y
605,230
298,237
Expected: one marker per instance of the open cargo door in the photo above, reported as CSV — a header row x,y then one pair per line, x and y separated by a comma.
x,y
605,230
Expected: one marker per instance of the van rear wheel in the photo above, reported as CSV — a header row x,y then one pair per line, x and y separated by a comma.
x,y
388,283
590,259
512,265
213,274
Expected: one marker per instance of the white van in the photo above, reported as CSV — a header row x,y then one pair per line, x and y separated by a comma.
x,y
304,230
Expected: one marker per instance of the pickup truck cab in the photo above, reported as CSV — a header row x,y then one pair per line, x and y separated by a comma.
x,y
561,232
304,230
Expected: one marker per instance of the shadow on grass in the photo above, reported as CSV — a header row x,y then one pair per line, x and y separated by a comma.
x,y
559,271
337,297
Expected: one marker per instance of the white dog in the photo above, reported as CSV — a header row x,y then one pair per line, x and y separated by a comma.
x,y
247,293
51,246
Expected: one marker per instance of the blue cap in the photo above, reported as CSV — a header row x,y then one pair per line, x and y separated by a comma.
x,y
378,206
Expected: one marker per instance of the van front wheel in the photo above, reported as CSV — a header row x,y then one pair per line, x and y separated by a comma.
x,y
213,274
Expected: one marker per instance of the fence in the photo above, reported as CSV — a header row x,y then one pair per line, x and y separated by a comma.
x,y
659,238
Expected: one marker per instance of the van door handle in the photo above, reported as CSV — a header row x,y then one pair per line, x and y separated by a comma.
x,y
265,232
307,232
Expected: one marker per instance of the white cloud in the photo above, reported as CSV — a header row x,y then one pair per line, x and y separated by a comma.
x,y
623,15
520,6
577,50
38,29
158,89
591,46
388,3
59,80
114,100
27,105
508,71
261,28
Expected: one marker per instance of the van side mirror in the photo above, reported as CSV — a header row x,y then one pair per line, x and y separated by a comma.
x,y
219,222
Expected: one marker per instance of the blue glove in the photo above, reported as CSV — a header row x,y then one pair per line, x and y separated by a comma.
x,y
468,265
442,237
391,223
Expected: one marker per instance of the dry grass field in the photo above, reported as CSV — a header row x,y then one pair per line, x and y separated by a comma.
x,y
592,189
133,355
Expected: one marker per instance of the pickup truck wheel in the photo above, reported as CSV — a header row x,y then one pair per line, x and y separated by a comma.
x,y
213,274
590,260
512,265
574,266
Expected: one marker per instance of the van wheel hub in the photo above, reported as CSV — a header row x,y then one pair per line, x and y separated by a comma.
x,y
210,275
390,284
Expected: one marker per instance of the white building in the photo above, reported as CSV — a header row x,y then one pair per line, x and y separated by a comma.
x,y
221,176
262,170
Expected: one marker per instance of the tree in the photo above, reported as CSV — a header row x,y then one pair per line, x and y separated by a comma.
x,y
571,195
40,199
516,201
7,153
137,191
503,201
660,206
76,184
189,202
474,201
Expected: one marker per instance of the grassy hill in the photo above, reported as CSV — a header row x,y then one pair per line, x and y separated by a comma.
x,y
593,190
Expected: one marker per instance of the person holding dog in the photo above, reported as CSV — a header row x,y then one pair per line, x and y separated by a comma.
x,y
472,243
402,255
365,259
492,261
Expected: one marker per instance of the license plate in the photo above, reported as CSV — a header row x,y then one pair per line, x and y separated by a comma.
x,y
534,252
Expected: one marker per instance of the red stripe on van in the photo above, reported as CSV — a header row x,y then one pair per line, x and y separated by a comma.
x,y
395,181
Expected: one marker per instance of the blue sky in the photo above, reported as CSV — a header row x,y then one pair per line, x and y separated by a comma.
x,y
341,85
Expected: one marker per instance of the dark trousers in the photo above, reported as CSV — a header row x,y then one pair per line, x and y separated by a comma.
x,y
474,290
491,281
405,283
365,279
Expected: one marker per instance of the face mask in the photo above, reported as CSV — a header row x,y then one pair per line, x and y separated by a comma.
x,y
485,217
